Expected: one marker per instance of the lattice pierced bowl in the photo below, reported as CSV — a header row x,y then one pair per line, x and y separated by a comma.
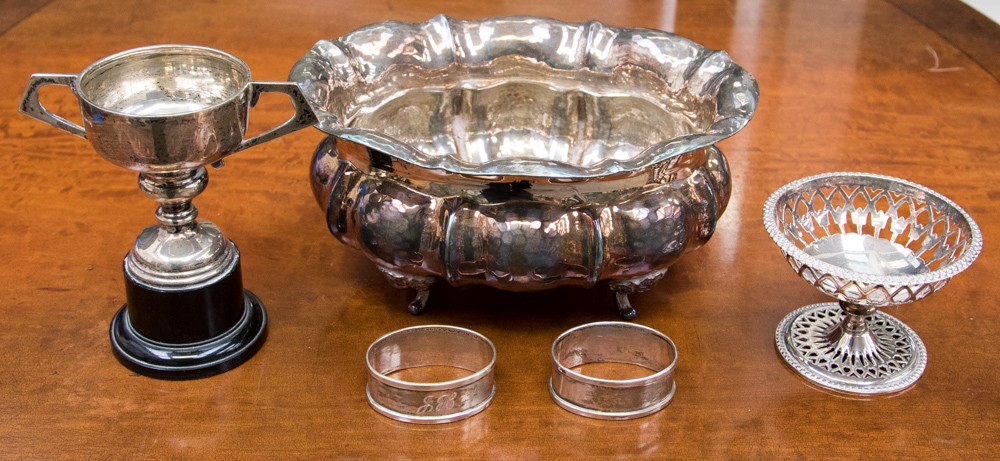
x,y
870,241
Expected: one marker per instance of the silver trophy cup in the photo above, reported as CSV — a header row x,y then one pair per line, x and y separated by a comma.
x,y
166,112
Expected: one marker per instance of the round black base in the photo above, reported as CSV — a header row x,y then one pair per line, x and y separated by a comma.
x,y
190,361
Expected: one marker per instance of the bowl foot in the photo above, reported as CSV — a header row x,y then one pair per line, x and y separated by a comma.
x,y
419,303
876,354
402,280
625,309
623,288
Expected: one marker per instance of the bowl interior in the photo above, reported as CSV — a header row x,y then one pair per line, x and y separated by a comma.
x,y
532,114
167,80
524,96
874,226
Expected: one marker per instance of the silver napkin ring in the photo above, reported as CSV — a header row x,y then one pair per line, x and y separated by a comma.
x,y
431,402
620,342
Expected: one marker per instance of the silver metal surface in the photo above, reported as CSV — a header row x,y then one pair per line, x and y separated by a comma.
x,y
625,287
431,346
165,108
167,111
522,153
870,241
525,95
180,252
613,342
886,357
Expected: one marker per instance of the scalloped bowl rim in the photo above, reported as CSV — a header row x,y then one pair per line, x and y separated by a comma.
x,y
722,127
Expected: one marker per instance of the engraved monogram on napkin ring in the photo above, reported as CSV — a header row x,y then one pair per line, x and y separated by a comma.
x,y
431,346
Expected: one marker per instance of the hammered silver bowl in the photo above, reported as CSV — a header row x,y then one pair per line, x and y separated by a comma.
x,y
869,241
522,153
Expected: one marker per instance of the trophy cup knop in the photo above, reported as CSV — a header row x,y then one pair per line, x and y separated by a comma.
x,y
166,112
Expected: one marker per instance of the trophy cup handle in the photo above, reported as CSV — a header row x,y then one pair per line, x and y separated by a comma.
x,y
32,107
303,117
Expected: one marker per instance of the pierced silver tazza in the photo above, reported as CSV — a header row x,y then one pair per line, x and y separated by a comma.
x,y
870,241
522,153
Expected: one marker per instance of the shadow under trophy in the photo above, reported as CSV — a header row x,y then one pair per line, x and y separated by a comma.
x,y
167,111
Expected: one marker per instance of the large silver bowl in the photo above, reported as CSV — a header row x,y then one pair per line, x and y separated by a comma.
x,y
522,153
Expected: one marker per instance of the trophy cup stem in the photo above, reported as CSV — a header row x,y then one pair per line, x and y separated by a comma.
x,y
187,314
174,191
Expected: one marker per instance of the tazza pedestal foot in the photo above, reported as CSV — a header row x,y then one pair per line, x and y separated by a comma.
x,y
869,354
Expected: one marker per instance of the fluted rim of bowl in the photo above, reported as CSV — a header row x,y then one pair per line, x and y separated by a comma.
x,y
710,74
943,273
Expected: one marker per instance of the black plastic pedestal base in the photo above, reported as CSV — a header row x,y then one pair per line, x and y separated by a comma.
x,y
195,360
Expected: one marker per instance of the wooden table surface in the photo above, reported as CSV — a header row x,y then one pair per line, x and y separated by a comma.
x,y
848,85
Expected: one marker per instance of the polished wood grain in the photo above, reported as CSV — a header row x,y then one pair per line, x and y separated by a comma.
x,y
976,35
849,85
14,11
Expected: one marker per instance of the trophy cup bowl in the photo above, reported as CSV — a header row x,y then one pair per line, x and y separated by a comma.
x,y
167,111
522,153
870,241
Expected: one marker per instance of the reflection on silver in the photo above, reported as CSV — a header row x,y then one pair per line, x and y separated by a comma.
x,y
165,108
614,342
166,112
522,153
866,254
870,241
431,346
525,96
